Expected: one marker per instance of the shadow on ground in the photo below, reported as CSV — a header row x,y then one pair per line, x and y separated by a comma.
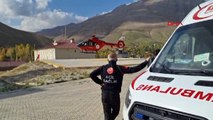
x,y
19,92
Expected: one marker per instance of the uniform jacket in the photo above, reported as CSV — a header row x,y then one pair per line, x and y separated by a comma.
x,y
112,75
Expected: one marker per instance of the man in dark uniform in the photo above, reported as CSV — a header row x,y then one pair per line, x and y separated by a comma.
x,y
111,82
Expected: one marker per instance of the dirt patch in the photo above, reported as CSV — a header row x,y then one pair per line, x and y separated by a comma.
x,y
38,73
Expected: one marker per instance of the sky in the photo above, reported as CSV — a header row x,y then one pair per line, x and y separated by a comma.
x,y
35,15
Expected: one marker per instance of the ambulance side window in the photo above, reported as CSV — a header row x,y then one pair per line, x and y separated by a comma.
x,y
190,49
182,50
183,46
203,43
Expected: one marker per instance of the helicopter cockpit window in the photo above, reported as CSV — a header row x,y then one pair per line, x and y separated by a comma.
x,y
85,44
90,43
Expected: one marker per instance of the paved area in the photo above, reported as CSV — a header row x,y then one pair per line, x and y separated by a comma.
x,y
91,62
74,100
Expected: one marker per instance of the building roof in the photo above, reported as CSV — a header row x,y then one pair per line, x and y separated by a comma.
x,y
62,44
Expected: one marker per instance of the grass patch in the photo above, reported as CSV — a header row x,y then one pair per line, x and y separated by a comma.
x,y
11,87
37,74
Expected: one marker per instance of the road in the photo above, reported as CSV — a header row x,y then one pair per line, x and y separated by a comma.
x,y
74,100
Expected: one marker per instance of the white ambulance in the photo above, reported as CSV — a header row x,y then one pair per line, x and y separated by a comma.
x,y
178,85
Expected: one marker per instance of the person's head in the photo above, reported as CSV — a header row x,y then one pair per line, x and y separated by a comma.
x,y
112,57
156,52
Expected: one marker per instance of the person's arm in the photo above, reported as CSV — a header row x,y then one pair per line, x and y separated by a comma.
x,y
135,68
94,76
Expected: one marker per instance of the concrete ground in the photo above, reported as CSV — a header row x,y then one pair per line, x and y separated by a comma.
x,y
91,62
74,100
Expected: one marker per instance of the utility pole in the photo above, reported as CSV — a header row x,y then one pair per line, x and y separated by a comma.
x,y
65,32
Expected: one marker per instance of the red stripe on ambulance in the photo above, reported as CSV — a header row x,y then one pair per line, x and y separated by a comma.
x,y
177,91
203,13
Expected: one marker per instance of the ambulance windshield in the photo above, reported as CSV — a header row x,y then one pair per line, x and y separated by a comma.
x,y
189,51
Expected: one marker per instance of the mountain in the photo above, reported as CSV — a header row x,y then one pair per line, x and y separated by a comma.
x,y
146,17
59,30
9,37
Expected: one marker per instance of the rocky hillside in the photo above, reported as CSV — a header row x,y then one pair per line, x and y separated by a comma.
x,y
142,14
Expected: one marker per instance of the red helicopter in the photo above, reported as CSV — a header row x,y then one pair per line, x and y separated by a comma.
x,y
94,44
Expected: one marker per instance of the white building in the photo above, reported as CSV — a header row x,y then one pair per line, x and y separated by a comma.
x,y
62,49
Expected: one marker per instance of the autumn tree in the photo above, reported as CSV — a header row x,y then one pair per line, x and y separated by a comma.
x,y
2,54
11,53
103,53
